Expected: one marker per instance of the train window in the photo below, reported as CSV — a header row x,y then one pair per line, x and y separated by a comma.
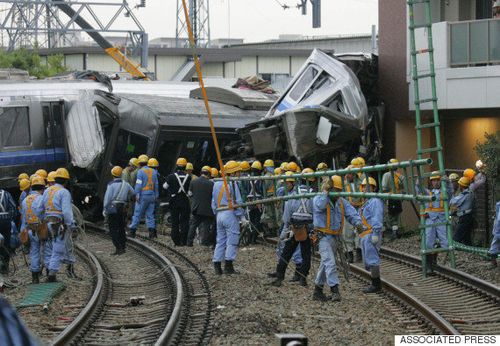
x,y
303,83
128,145
14,127
53,125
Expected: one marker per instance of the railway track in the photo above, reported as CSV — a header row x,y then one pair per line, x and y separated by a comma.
x,y
138,297
449,302
195,322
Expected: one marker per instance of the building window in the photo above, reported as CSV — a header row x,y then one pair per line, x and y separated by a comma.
x,y
14,127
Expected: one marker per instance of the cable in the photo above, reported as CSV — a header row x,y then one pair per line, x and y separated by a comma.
x,y
284,6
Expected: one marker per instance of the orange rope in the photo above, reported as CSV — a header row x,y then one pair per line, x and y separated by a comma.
x,y
205,100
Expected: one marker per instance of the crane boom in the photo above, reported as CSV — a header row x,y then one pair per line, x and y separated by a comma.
x,y
113,52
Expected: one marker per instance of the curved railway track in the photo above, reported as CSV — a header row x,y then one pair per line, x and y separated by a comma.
x,y
195,322
138,298
449,302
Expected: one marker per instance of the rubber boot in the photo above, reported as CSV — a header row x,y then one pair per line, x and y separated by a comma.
x,y
335,293
34,278
350,257
296,274
51,278
359,256
375,286
428,265
318,294
218,268
228,268
152,233
132,232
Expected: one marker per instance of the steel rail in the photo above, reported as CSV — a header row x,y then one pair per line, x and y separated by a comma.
x,y
74,328
168,333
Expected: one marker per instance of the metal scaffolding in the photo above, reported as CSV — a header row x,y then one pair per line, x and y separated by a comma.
x,y
40,24
199,16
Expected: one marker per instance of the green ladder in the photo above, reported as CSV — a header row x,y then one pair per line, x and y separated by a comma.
x,y
434,124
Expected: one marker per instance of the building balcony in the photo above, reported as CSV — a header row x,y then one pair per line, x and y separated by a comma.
x,y
466,62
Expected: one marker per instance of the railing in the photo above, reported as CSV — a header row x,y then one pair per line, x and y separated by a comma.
x,y
475,42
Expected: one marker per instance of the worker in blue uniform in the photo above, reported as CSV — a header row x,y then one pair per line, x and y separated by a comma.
x,y
32,221
255,191
372,216
434,214
24,186
228,221
495,242
146,192
329,214
118,194
462,206
58,214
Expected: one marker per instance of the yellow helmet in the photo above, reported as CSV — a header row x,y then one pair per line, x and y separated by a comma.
x,y
181,162
464,181
288,174
24,184
206,169
245,166
278,171
257,165
116,171
292,166
393,161
307,171
33,176
337,181
355,162
143,158
23,176
62,173
469,173
454,177
322,167
38,181
214,172
134,162
435,175
283,166
189,166
152,162
269,163
371,181
232,166
51,177
361,161
42,173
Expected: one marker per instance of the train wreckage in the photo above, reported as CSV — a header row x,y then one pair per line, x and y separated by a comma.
x,y
330,109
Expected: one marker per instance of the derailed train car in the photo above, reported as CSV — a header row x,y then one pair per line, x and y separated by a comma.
x,y
83,126
330,109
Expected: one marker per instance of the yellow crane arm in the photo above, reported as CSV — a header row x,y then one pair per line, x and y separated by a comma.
x,y
125,62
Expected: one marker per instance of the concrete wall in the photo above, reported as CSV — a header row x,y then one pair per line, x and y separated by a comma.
x,y
213,69
274,64
74,61
102,62
167,66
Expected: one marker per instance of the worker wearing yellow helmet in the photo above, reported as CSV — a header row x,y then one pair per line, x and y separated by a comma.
x,y
462,206
177,186
214,172
292,167
245,171
349,232
283,166
189,170
23,176
310,180
228,221
269,165
51,178
245,167
41,173
146,191
329,213
434,214
118,194
393,182
129,174
31,221
24,186
372,215
269,216
56,201
254,190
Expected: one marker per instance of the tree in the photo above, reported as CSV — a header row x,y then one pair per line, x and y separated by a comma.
x,y
32,62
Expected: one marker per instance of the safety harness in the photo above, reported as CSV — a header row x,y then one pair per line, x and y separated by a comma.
x,y
50,201
31,218
221,194
355,203
149,184
327,229
430,208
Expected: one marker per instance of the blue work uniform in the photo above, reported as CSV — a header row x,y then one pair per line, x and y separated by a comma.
x,y
58,214
463,204
434,212
24,194
328,219
495,242
372,216
32,220
118,194
147,191
228,227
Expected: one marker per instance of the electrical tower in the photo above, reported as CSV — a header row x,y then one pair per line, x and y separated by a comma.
x,y
59,23
199,16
